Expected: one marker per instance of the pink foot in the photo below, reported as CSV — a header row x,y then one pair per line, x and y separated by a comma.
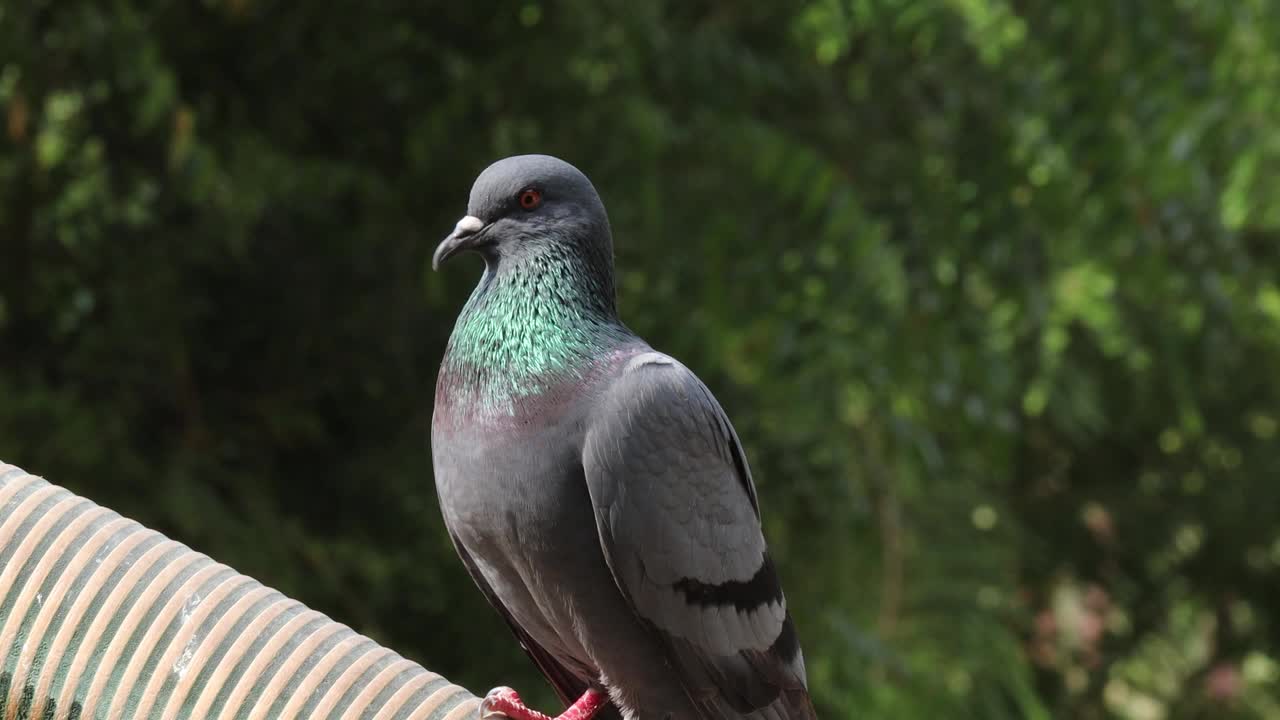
x,y
505,701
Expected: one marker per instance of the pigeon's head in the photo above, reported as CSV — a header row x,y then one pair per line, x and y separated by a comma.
x,y
526,204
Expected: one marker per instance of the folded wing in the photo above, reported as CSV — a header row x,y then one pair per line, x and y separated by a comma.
x,y
680,527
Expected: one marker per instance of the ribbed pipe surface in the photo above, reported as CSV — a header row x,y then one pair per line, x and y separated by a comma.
x,y
103,618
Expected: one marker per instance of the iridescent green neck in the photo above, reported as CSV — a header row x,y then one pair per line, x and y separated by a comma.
x,y
532,323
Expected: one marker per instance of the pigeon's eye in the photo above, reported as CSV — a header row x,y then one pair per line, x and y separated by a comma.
x,y
530,198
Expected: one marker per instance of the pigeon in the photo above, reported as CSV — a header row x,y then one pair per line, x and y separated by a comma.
x,y
593,487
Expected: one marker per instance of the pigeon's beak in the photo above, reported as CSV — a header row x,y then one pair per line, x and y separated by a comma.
x,y
465,235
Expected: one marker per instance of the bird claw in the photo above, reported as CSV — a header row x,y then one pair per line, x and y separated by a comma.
x,y
487,709
503,702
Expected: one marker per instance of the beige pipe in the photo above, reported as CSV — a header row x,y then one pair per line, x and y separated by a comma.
x,y
102,618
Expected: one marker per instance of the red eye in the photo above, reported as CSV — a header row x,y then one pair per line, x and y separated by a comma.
x,y
530,199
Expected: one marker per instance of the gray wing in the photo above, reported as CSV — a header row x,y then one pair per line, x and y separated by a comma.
x,y
680,527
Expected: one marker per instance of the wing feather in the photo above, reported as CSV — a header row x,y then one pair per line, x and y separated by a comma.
x,y
680,526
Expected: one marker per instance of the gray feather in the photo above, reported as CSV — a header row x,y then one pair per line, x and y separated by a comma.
x,y
680,529
594,488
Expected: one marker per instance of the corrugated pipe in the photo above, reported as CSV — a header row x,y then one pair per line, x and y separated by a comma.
x,y
103,618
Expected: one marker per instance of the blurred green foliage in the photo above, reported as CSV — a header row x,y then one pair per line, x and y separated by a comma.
x,y
990,288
